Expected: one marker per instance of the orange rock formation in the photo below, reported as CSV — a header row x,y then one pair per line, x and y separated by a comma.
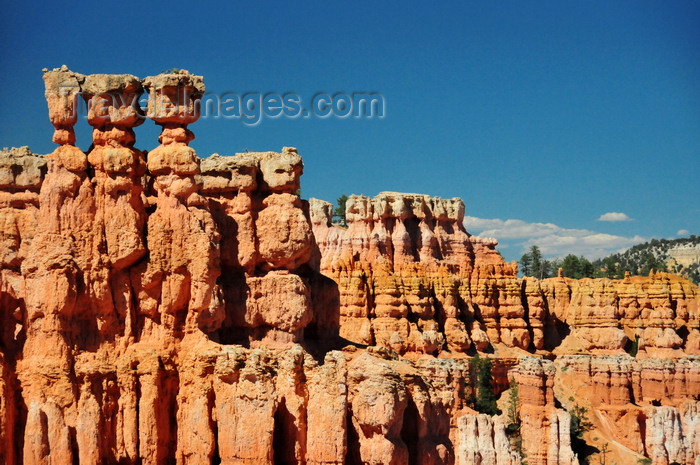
x,y
161,308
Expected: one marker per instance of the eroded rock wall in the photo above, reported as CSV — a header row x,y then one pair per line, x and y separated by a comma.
x,y
120,300
406,270
411,278
160,308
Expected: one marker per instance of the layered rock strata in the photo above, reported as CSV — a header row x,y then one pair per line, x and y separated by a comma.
x,y
160,308
411,278
405,268
118,293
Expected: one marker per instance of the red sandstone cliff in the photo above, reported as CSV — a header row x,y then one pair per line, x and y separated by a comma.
x,y
413,280
161,308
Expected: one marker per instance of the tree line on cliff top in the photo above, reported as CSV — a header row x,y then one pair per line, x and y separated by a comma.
x,y
637,260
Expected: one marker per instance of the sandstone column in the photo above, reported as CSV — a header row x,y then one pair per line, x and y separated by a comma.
x,y
179,285
21,174
278,304
113,111
118,166
52,274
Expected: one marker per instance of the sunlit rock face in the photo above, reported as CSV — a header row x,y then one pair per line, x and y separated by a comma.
x,y
412,279
158,307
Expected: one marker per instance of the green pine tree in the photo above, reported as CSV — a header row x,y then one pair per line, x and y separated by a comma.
x,y
485,398
339,212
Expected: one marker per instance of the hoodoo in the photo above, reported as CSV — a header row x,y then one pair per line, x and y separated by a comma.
x,y
157,307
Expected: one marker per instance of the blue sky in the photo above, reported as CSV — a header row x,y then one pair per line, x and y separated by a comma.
x,y
543,116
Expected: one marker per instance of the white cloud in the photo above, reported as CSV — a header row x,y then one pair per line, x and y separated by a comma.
x,y
682,232
614,216
508,229
552,240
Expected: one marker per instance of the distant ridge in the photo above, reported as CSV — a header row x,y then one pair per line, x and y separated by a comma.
x,y
680,256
